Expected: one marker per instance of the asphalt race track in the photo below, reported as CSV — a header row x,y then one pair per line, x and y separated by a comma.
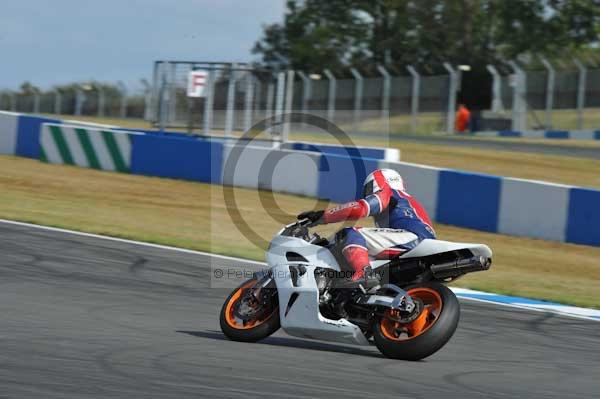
x,y
84,317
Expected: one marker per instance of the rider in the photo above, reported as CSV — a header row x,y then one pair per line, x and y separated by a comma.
x,y
401,222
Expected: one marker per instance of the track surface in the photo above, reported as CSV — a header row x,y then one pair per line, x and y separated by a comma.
x,y
84,317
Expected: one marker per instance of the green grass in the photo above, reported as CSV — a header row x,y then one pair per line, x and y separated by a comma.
x,y
192,215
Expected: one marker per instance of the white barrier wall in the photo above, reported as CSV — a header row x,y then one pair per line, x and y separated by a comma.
x,y
285,171
533,209
9,123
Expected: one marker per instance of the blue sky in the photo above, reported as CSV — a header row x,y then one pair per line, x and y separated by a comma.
x,y
59,41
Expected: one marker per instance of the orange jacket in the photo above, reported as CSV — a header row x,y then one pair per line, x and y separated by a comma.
x,y
463,115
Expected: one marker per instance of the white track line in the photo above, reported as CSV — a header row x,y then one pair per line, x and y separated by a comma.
x,y
189,251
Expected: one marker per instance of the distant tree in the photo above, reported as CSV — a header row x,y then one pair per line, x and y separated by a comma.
x,y
337,34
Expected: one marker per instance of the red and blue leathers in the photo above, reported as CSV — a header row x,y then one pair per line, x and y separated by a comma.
x,y
392,209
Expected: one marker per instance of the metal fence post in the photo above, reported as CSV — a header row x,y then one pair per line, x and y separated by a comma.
x,y
414,99
519,100
12,97
248,101
36,102
385,96
452,91
230,102
497,105
280,95
580,92
153,111
123,92
79,100
331,95
289,98
163,99
257,97
172,93
269,104
358,95
101,101
549,92
57,102
306,91
208,101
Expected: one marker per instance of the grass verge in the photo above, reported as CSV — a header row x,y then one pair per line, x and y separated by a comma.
x,y
193,215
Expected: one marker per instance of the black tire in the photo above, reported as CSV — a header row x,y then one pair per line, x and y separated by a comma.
x,y
429,341
253,334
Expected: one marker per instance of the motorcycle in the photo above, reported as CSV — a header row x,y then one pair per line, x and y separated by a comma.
x,y
410,315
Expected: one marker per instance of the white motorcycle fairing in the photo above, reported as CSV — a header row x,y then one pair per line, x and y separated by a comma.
x,y
299,297
299,303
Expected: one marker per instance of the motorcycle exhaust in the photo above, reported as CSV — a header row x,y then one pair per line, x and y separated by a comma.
x,y
460,267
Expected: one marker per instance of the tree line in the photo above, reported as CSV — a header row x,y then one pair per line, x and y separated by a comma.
x,y
338,34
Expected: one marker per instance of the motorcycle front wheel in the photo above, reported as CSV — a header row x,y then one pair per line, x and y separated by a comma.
x,y
244,318
426,334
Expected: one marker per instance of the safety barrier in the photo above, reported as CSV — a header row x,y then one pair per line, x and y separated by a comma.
x,y
9,125
478,201
544,134
177,157
85,147
20,134
284,171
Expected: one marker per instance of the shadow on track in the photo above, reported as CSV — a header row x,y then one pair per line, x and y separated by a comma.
x,y
291,343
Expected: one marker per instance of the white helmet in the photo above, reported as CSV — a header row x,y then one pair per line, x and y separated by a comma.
x,y
393,179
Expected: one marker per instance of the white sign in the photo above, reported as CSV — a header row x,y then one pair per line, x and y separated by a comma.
x,y
197,81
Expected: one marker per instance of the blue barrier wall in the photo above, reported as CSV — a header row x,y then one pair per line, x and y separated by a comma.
x,y
341,178
469,200
583,226
28,135
177,157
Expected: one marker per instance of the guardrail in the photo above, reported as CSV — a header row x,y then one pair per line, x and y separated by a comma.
x,y
478,201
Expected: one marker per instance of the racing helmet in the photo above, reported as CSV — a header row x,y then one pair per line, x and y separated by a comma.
x,y
393,179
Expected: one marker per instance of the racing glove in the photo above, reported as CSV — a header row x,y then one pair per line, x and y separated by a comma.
x,y
316,217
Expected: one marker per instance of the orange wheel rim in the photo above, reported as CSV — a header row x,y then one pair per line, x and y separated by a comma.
x,y
237,323
397,331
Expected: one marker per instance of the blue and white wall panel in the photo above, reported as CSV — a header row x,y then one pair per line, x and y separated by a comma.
x,y
293,172
533,209
420,181
9,124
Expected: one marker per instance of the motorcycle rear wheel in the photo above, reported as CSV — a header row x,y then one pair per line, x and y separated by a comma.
x,y
425,335
247,330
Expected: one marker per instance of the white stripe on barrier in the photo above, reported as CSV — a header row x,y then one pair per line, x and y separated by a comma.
x,y
533,209
79,157
49,146
9,125
104,157
294,172
392,155
582,135
534,134
124,144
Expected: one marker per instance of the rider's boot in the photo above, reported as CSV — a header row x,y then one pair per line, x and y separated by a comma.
x,y
363,279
